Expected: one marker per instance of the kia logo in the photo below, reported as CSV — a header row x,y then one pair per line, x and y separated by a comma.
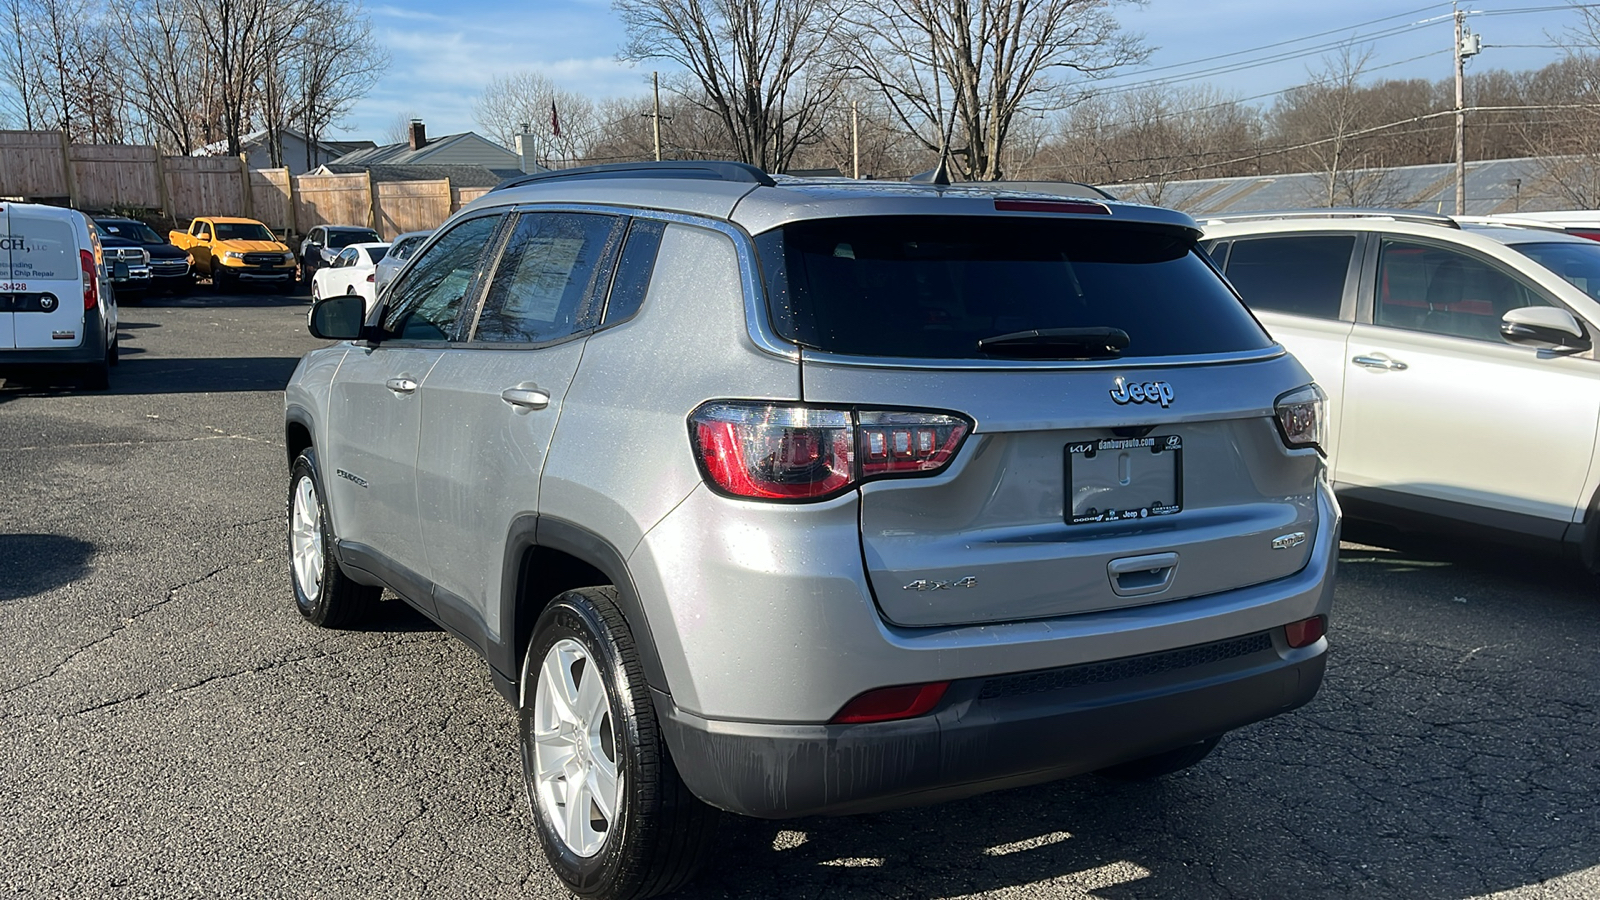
x,y
1147,392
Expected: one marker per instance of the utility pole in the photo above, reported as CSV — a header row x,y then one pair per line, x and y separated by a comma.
x,y
855,142
1467,45
655,117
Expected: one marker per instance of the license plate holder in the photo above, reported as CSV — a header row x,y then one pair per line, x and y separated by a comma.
x,y
1123,479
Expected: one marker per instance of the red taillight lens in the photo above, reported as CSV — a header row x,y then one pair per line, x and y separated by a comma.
x,y
1305,632
768,451
91,279
372,277
888,704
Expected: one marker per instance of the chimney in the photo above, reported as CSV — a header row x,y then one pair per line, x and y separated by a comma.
x,y
419,135
524,143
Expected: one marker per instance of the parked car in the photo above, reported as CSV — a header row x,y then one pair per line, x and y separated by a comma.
x,y
352,272
230,250
401,249
864,494
323,243
157,265
1581,222
58,312
1463,390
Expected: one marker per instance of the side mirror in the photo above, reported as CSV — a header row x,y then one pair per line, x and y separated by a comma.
x,y
1544,328
337,318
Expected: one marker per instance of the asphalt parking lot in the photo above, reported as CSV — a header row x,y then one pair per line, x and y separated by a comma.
x,y
170,727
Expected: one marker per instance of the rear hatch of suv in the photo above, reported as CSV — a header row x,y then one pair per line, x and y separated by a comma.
x,y
1124,445
41,279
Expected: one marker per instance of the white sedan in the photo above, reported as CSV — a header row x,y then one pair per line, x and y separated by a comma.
x,y
352,272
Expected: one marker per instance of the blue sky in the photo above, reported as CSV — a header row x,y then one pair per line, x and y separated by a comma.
x,y
443,55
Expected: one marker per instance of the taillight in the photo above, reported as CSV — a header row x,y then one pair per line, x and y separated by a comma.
x,y
372,277
1305,632
771,451
91,279
889,704
1302,416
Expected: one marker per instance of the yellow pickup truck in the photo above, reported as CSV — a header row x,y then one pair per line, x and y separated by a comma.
x,y
233,250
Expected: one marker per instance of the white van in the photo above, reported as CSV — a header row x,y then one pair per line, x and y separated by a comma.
x,y
58,313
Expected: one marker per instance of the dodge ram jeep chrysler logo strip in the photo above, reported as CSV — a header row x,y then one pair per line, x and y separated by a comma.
x,y
1147,392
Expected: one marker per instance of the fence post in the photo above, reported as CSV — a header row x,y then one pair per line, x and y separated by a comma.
x,y
167,206
288,185
67,170
248,203
372,205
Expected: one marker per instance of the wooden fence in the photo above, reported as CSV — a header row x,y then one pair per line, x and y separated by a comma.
x,y
41,165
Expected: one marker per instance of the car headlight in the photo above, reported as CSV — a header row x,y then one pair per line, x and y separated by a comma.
x,y
288,258
1302,417
233,255
144,256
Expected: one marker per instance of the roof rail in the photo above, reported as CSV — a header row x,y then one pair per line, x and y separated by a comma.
x,y
1398,215
698,169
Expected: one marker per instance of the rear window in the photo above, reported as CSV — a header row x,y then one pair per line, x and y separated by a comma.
x,y
377,254
346,238
932,287
42,248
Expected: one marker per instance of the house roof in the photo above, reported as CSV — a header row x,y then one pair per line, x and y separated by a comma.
x,y
460,176
254,138
402,154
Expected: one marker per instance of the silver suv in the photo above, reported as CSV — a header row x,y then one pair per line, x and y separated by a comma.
x,y
787,497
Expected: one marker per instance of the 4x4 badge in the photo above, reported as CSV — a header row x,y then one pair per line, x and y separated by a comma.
x,y
1147,392
924,584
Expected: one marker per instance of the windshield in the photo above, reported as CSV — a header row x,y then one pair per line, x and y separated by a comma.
x,y
1578,263
243,231
130,231
934,287
346,238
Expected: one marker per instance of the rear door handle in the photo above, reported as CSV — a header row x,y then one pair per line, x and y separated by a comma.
x,y
525,397
1379,362
401,385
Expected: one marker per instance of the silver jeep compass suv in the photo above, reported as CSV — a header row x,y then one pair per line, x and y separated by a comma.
x,y
787,497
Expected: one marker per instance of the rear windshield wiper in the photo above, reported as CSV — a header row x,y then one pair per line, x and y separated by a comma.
x,y
1058,343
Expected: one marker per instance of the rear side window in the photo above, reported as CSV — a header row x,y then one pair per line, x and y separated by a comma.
x,y
1300,274
932,287
634,268
544,286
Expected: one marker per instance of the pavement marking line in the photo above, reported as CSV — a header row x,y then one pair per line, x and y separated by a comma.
x,y
1033,843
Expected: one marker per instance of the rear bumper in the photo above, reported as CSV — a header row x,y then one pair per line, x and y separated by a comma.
x,y
994,733
91,350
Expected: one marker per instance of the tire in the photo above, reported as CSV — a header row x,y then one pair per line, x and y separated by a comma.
x,y
96,376
114,355
1160,764
324,595
305,276
219,279
658,835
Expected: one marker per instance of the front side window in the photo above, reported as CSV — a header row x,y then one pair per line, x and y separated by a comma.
x,y
1424,287
205,231
1299,274
933,287
545,285
1578,263
424,306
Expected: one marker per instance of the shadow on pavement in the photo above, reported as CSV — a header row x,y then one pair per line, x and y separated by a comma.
x,y
31,564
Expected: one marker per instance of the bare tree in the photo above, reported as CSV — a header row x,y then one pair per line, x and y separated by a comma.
x,y
510,103
755,64
332,61
1321,117
19,61
968,69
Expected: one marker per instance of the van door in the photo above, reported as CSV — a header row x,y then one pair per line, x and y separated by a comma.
x,y
8,288
45,262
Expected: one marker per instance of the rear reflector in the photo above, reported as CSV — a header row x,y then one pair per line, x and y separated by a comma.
x,y
888,704
1305,632
1080,207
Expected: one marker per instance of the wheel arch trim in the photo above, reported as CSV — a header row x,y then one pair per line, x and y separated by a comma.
x,y
533,531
